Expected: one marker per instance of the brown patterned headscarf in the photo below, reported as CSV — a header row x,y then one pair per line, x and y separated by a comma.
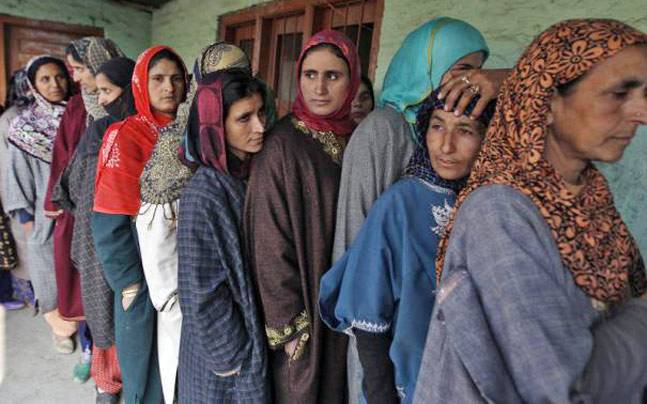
x,y
594,242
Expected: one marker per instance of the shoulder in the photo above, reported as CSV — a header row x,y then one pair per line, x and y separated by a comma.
x,y
376,123
499,201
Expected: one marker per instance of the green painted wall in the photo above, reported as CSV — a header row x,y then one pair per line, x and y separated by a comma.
x,y
508,25
129,27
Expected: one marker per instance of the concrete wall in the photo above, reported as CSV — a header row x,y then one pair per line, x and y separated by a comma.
x,y
508,25
129,27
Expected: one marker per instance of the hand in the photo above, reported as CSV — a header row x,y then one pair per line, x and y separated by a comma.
x,y
644,296
457,94
290,347
128,295
29,226
53,214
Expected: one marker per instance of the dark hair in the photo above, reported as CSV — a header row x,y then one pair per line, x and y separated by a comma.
x,y
332,48
168,55
432,103
239,84
33,69
18,91
119,70
71,51
367,82
567,88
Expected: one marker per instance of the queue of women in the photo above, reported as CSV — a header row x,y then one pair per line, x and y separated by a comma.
x,y
456,244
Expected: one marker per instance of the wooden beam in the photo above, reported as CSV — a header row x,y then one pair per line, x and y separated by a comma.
x,y
51,26
375,40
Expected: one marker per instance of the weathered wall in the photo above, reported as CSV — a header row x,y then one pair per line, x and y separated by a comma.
x,y
129,27
508,25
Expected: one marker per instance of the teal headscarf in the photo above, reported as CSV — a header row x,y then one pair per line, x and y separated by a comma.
x,y
425,55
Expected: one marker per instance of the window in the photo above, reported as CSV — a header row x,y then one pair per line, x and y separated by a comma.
x,y
272,36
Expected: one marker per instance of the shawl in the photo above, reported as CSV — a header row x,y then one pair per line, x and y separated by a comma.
x,y
94,52
127,146
34,129
338,122
594,242
411,77
420,163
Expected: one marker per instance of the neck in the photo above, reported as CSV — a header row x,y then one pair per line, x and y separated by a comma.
x,y
241,155
565,162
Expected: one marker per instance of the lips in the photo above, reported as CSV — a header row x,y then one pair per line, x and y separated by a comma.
x,y
320,102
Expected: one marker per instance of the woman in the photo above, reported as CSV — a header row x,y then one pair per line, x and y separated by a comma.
x,y
364,101
76,195
222,354
158,86
18,97
289,221
31,137
162,181
540,276
382,290
383,144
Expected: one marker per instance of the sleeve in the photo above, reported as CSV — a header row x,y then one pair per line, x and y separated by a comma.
x,y
208,307
270,213
373,160
19,183
64,145
116,246
62,195
359,291
617,370
379,373
535,319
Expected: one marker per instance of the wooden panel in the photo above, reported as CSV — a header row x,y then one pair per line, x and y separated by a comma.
x,y
21,39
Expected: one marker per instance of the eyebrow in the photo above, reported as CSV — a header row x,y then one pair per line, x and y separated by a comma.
x,y
324,72
437,118
628,84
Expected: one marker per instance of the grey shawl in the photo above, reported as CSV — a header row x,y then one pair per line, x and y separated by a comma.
x,y
511,326
24,187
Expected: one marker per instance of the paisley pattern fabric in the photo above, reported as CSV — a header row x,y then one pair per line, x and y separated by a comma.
x,y
594,242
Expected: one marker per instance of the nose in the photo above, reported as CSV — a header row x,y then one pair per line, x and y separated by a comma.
x,y
448,146
258,124
321,86
638,110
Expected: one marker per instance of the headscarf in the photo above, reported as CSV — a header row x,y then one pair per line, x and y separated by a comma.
x,y
166,173
34,129
19,92
594,243
94,51
423,58
119,71
420,163
338,122
206,137
128,145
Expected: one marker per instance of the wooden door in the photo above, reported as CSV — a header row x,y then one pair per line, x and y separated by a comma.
x,y
21,39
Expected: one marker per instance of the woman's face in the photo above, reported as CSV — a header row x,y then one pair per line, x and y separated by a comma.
x,y
82,75
108,92
599,117
51,82
453,143
362,104
324,81
245,125
165,87
472,61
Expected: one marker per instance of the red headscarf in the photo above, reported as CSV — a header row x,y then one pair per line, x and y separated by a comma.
x,y
128,145
339,122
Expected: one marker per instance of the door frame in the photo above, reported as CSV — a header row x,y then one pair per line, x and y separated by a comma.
x,y
10,20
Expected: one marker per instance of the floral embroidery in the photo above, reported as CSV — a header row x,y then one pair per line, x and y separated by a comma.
x,y
332,145
369,326
277,337
107,153
441,216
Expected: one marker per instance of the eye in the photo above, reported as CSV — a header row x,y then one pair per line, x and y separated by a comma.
x,y
465,132
436,127
333,75
620,95
244,118
310,75
178,79
159,79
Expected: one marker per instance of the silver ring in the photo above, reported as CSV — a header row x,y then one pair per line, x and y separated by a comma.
x,y
475,89
465,80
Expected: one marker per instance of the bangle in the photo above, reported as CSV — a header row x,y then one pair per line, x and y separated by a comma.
x,y
129,293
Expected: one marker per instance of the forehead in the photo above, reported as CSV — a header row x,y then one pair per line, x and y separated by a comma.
x,y
628,64
165,67
474,59
48,69
449,118
103,81
249,103
322,60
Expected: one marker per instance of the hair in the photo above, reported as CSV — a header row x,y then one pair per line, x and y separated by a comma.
x,y
167,54
18,91
70,50
119,71
33,69
567,88
239,84
431,103
369,85
328,46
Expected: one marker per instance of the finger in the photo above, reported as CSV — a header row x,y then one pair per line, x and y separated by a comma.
x,y
479,107
463,102
453,96
449,86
